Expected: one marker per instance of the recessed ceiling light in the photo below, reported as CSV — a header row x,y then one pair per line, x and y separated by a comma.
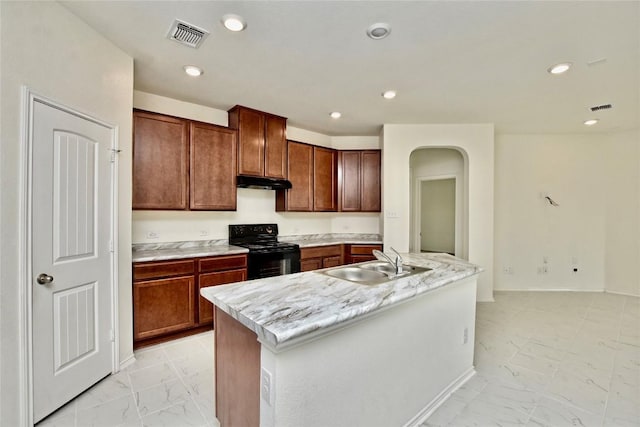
x,y
379,30
389,94
559,68
234,22
192,70
336,115
590,122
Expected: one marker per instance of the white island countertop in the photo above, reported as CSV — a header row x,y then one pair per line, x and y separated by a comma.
x,y
287,310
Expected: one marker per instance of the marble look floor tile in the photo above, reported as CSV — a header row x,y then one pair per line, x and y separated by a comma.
x,y
508,395
118,412
445,414
147,357
193,363
506,372
152,376
550,412
185,414
109,388
63,417
485,414
161,396
183,348
583,392
535,363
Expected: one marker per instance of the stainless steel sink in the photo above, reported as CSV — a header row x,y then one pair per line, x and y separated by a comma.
x,y
355,274
371,273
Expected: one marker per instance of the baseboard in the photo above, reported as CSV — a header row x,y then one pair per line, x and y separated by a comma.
x,y
127,362
622,293
548,290
431,407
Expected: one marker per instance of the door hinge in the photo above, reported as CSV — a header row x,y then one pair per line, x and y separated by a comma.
x,y
111,246
113,154
112,335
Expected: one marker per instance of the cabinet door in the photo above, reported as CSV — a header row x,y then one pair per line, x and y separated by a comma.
x,y
349,173
325,177
250,142
310,264
160,161
163,306
205,308
370,182
275,147
332,261
213,167
300,172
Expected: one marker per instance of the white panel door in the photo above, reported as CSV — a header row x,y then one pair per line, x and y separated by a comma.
x,y
71,258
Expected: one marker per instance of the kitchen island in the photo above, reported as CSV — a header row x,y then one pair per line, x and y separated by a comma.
x,y
308,349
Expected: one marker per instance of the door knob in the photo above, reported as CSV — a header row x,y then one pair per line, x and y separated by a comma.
x,y
44,279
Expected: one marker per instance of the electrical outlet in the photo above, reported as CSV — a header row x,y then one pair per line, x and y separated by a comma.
x,y
545,260
545,269
152,235
204,233
507,270
392,214
266,386
465,336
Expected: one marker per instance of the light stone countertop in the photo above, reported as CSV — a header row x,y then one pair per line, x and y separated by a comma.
x,y
286,310
144,252
181,250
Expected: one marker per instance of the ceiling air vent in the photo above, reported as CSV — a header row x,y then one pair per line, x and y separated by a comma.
x,y
187,34
601,107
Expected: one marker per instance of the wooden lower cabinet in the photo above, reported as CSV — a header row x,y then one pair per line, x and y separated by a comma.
x,y
314,258
205,308
166,295
360,253
163,306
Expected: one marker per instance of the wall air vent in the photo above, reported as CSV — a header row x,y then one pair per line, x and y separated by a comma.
x,y
187,34
601,107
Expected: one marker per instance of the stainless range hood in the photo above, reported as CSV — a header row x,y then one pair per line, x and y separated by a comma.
x,y
262,183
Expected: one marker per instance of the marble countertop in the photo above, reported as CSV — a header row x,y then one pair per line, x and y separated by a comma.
x,y
170,253
286,310
144,252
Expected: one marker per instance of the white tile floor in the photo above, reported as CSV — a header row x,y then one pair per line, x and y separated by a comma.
x,y
170,384
543,359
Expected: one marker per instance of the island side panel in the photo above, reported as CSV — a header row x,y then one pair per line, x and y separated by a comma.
x,y
237,364
390,369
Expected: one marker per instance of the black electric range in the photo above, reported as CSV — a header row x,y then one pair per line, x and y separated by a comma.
x,y
267,257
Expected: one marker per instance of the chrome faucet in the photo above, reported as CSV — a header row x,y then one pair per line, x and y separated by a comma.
x,y
397,264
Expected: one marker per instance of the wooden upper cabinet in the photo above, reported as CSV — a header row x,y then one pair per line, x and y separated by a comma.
x,y
160,162
300,172
370,183
349,180
213,167
261,142
275,147
359,181
325,179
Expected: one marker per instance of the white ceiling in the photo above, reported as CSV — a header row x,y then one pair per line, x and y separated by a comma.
x,y
450,62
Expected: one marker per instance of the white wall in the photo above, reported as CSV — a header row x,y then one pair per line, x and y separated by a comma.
x,y
621,175
475,142
48,49
254,206
431,163
573,170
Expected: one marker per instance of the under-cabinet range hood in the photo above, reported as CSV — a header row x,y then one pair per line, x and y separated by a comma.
x,y
262,183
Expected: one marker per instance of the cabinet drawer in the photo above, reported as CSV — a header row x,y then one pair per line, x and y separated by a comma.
x,y
311,264
205,308
218,263
163,306
364,249
159,269
320,251
332,261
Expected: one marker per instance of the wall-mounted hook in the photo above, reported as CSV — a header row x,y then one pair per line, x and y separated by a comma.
x,y
551,201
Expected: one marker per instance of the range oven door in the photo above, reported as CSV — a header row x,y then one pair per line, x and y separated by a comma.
x,y
273,263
